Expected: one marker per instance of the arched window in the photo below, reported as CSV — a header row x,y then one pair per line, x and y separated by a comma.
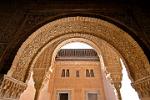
x,y
77,73
65,73
89,73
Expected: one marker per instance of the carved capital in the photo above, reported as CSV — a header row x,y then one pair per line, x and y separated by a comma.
x,y
11,88
142,86
38,79
116,78
116,81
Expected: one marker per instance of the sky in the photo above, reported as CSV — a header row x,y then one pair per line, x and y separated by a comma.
x,y
127,92
76,45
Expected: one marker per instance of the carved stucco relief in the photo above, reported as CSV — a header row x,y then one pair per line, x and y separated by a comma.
x,y
44,59
127,47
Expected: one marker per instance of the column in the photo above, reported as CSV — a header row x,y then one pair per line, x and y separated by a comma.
x,y
142,86
116,81
38,76
117,86
37,87
11,88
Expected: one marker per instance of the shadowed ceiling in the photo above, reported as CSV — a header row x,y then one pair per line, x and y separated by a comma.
x,y
20,18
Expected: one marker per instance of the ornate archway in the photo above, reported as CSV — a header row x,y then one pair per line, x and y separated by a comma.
x,y
137,62
48,53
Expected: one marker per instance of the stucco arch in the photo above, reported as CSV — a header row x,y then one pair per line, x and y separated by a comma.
x,y
98,44
128,48
101,46
136,60
82,40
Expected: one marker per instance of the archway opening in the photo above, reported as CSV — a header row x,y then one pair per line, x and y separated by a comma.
x,y
126,87
78,73
127,91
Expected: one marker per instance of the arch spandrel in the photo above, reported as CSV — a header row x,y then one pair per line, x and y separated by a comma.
x,y
127,47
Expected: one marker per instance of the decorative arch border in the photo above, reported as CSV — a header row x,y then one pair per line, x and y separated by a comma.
x,y
125,44
97,43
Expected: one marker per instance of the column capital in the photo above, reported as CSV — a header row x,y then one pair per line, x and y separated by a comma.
x,y
116,81
142,86
116,78
11,88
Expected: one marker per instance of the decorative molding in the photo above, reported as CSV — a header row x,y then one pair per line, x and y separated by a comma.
x,y
71,63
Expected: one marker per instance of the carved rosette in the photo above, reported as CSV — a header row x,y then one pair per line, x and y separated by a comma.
x,y
11,88
142,86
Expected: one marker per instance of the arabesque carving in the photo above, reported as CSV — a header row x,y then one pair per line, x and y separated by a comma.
x,y
40,63
11,88
129,49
